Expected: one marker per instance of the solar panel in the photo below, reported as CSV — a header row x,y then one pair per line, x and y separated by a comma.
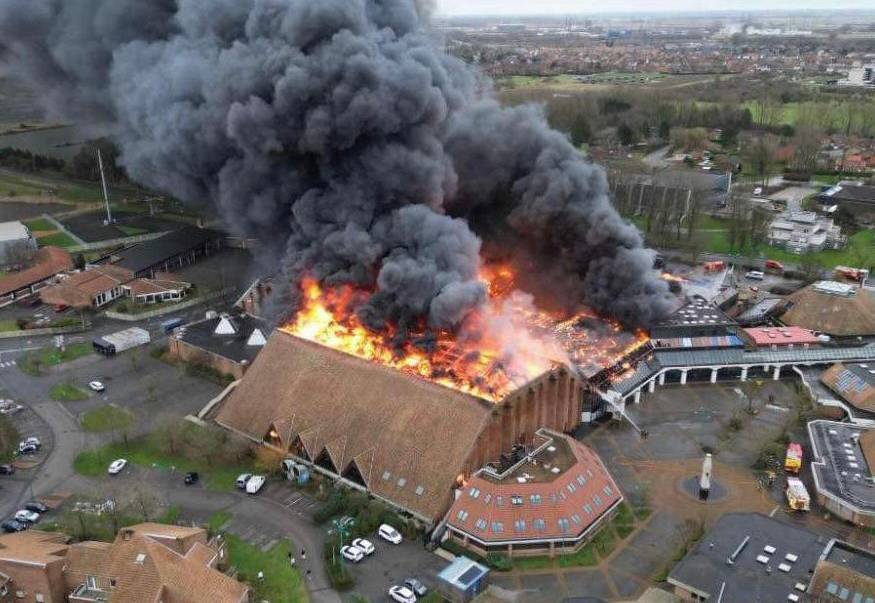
x,y
469,575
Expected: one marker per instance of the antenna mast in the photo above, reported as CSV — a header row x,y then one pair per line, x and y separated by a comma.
x,y
105,190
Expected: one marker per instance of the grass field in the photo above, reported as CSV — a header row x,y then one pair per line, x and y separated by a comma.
x,y
61,187
40,224
67,392
107,418
33,362
58,239
9,325
281,583
148,452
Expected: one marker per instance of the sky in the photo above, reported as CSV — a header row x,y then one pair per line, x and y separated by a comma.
x,y
542,7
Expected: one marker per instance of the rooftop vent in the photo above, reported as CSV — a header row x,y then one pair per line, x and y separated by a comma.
x,y
225,326
256,338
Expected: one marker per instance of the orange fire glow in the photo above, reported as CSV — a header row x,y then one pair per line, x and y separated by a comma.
x,y
500,347
667,276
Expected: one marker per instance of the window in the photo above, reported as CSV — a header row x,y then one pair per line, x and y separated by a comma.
x,y
386,475
487,498
587,509
499,501
402,481
516,500
519,525
563,524
497,527
575,518
581,480
419,490
462,515
535,499
553,497
589,472
562,495
597,500
572,487
90,582
112,581
480,524
607,490
539,525
473,492
38,597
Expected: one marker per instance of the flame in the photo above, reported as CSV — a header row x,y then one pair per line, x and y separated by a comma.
x,y
672,278
499,347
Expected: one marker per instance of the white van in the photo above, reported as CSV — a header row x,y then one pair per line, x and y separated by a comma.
x,y
255,484
388,533
755,275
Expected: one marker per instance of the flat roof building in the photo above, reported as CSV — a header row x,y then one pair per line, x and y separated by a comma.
x,y
168,252
17,244
462,580
551,499
843,456
226,343
697,318
748,558
779,337
844,573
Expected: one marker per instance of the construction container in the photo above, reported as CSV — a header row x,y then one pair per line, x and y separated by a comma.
x,y
115,343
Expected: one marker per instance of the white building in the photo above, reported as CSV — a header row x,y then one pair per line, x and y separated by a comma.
x,y
860,76
805,231
17,245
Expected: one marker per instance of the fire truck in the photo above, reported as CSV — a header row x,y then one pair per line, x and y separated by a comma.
x,y
793,460
856,275
797,495
715,266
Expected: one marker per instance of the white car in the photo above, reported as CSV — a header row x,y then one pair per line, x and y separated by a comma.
x,y
117,465
755,275
390,534
97,386
243,479
27,516
255,484
352,553
365,546
402,594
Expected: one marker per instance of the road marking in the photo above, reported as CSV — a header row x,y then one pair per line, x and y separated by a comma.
x,y
775,510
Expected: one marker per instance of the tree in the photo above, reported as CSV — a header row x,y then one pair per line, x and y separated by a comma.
x,y
751,389
580,130
625,134
807,143
810,267
761,156
79,262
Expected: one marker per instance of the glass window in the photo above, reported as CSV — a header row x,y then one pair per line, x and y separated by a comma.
x,y
581,480
539,525
563,524
386,475
519,525
419,490
462,515
497,527
607,490
487,498
597,500
402,481
535,499
553,497
480,524
575,518
474,492
572,487
516,500
499,501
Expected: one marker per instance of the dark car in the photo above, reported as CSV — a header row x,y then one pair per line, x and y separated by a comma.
x,y
13,525
416,586
191,477
7,469
36,507
28,449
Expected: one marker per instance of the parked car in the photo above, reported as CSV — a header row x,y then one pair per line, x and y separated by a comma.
x,y
388,533
117,465
7,469
97,386
402,594
756,275
191,477
352,553
26,516
243,479
27,449
255,484
9,407
13,525
416,586
36,507
365,546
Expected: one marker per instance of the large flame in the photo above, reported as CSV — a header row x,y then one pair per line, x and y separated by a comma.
x,y
500,347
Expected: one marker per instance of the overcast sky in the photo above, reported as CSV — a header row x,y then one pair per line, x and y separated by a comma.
x,y
517,7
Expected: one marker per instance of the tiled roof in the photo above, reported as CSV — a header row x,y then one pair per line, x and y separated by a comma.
x,y
564,507
409,438
48,262
79,289
831,314
33,546
768,336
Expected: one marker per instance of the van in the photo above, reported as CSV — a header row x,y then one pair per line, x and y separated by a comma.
x,y
168,326
255,484
755,275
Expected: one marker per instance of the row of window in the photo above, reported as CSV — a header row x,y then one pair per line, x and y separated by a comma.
x,y
536,499
539,525
402,481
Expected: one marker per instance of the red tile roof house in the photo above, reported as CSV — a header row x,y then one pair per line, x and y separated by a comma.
x,y
553,499
48,263
99,285
779,337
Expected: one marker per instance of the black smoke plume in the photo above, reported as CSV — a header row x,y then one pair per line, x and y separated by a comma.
x,y
338,135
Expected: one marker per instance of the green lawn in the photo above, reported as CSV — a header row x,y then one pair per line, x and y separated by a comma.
x,y
147,451
59,239
38,224
34,362
281,584
67,392
66,189
107,418
9,325
217,520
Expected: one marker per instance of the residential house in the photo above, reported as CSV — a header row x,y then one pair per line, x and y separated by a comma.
x,y
102,284
48,263
31,567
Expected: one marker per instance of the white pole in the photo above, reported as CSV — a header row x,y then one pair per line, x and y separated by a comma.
x,y
105,190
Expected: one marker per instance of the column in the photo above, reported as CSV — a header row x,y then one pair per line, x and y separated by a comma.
x,y
714,375
552,549
777,374
637,396
744,373
684,376
662,378
651,386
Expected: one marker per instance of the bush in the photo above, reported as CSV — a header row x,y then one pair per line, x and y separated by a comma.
x,y
498,561
338,575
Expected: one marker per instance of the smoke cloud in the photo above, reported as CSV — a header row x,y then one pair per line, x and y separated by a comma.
x,y
339,136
